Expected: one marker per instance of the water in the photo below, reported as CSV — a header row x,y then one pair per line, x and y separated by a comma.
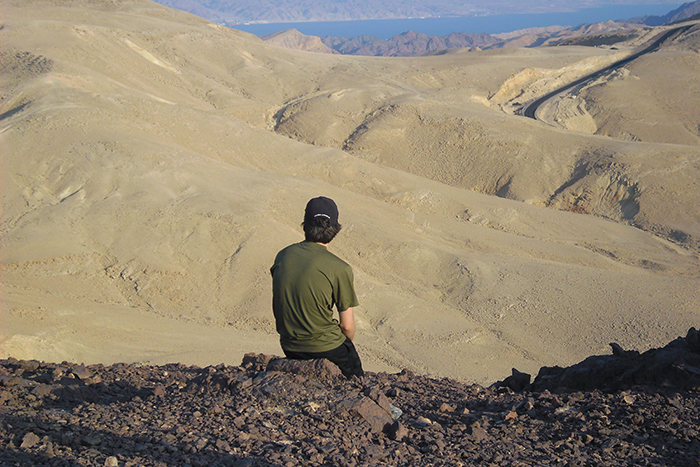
x,y
494,24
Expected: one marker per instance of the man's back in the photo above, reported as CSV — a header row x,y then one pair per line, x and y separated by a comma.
x,y
308,282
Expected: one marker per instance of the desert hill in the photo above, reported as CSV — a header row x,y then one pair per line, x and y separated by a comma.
x,y
293,39
411,43
154,163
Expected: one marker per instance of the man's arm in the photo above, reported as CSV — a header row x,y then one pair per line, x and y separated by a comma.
x,y
347,323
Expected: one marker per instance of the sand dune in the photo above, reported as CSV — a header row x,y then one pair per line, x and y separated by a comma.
x,y
154,163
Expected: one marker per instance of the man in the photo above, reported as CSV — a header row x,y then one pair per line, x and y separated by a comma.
x,y
307,282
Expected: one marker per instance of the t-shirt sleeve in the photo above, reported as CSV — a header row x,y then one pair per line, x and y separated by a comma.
x,y
345,290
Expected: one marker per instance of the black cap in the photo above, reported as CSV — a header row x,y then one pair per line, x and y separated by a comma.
x,y
321,207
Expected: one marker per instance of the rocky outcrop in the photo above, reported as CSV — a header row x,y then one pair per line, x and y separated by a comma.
x,y
270,411
676,365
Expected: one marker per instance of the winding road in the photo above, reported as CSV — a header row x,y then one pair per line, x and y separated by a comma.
x,y
530,109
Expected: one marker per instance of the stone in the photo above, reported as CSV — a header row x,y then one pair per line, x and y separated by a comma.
x,y
42,390
81,372
396,431
380,398
317,369
256,361
445,407
92,440
368,410
477,432
423,421
517,381
111,461
222,445
395,412
30,440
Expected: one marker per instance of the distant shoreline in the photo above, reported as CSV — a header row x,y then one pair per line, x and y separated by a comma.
x,y
442,26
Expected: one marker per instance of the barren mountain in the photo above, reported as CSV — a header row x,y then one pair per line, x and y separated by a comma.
x,y
242,11
683,12
293,39
412,43
154,163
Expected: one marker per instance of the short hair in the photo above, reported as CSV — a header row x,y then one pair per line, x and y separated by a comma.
x,y
320,229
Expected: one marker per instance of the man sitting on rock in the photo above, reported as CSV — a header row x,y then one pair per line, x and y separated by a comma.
x,y
307,282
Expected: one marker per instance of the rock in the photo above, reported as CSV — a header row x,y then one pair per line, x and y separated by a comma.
x,y
159,390
81,372
317,369
256,361
396,431
222,445
369,411
92,440
517,381
477,432
201,443
693,340
111,461
29,365
274,384
380,398
675,365
30,440
423,421
43,390
395,412
445,407
243,463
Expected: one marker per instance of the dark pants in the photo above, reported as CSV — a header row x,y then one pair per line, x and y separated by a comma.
x,y
345,356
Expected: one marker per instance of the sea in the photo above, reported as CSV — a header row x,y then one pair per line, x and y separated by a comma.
x,y
493,24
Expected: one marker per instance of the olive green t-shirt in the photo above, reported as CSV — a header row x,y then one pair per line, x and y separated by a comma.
x,y
307,281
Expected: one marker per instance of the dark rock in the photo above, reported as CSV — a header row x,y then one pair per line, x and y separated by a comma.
x,y
317,369
43,390
478,433
380,398
81,372
159,390
92,440
29,365
256,361
274,384
369,411
396,431
677,365
517,381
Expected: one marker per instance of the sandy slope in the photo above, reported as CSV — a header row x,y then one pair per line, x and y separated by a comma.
x,y
154,163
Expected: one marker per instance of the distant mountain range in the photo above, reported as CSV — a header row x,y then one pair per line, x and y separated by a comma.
x,y
413,43
684,12
232,12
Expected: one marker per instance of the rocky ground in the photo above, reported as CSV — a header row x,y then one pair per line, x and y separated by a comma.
x,y
276,412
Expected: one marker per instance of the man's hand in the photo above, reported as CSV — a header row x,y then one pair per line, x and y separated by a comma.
x,y
347,323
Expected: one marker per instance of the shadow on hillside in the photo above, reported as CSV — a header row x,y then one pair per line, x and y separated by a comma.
x,y
34,441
